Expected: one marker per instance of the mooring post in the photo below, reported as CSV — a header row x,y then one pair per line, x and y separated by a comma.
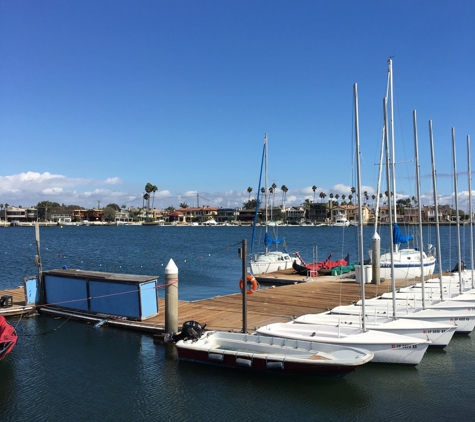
x,y
38,263
243,255
376,258
171,297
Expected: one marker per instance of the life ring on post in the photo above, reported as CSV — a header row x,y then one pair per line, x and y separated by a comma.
x,y
252,285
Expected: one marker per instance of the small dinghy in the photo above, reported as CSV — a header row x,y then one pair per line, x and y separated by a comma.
x,y
8,337
272,354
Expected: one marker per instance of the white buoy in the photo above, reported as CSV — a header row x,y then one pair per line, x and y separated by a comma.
x,y
376,257
171,297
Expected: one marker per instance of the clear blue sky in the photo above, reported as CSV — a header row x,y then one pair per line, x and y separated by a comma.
x,y
99,98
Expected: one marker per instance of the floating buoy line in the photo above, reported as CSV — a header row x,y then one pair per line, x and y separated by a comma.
x,y
51,257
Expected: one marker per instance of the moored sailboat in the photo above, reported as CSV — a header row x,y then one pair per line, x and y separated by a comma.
x,y
269,260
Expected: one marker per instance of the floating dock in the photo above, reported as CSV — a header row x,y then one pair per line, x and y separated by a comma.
x,y
279,303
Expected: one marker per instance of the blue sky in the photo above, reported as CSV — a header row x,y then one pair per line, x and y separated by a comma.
x,y
99,98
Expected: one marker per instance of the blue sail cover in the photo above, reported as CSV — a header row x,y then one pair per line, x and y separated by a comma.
x,y
269,241
398,237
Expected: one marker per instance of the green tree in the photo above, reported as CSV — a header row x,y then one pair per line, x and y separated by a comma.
x,y
115,206
251,204
108,214
183,205
322,196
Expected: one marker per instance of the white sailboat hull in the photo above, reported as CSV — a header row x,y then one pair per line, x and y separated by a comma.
x,y
464,319
407,264
272,262
386,347
416,296
439,334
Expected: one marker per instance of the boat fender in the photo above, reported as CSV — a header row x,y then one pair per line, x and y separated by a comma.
x,y
252,285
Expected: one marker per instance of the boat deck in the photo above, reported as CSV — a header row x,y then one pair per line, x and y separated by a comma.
x,y
281,303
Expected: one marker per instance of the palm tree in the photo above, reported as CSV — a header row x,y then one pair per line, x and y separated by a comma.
x,y
148,191
146,198
249,190
373,197
314,188
343,197
336,197
322,196
274,187
153,190
353,190
350,197
284,190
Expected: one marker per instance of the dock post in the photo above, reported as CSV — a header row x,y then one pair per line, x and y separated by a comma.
x,y
38,264
171,297
243,256
376,258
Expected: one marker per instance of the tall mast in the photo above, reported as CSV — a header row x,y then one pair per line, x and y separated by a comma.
x,y
419,208
392,188
391,233
266,184
459,254
436,209
360,217
470,207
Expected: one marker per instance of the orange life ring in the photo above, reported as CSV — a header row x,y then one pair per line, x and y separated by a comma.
x,y
251,284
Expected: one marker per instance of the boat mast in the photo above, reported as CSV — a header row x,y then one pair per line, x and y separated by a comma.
x,y
390,213
392,186
258,200
459,253
470,206
419,208
360,217
436,209
266,185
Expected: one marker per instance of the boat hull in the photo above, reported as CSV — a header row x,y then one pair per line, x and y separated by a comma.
x,y
266,354
386,347
439,334
8,338
407,264
464,319
272,262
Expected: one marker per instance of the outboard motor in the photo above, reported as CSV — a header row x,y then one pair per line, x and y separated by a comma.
x,y
190,330
456,268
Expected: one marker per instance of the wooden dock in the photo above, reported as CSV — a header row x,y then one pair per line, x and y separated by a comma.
x,y
281,303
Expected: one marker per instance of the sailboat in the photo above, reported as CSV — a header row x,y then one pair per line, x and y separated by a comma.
x,y
269,260
444,290
387,347
404,262
449,311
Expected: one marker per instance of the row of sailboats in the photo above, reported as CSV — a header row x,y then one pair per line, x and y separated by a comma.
x,y
393,329
432,321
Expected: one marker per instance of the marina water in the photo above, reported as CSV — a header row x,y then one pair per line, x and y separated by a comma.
x,y
63,370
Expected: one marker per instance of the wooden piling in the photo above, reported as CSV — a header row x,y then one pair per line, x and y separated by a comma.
x,y
171,297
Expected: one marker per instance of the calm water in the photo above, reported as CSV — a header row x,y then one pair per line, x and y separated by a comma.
x,y
68,371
